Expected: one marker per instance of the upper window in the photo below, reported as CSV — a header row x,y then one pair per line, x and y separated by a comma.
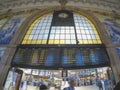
x,y
42,31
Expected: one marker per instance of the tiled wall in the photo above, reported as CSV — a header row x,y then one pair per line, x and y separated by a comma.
x,y
8,31
2,50
113,30
118,51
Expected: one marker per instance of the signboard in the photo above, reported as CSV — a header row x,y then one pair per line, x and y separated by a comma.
x,y
60,57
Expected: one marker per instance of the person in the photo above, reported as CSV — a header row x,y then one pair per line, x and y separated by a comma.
x,y
71,85
43,87
100,85
11,86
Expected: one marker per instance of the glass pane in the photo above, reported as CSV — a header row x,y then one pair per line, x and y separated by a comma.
x,y
93,36
79,36
35,37
52,31
67,41
82,31
62,32
40,37
67,31
44,41
62,36
86,32
86,29
84,37
51,36
58,31
56,41
72,31
89,37
57,36
33,31
67,36
30,37
38,41
45,37
62,41
73,41
51,42
72,36
82,28
39,30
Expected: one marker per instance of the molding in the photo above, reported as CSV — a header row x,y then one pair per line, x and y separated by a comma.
x,y
112,13
17,5
36,12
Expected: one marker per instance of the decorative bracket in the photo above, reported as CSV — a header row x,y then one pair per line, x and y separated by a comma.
x,y
63,3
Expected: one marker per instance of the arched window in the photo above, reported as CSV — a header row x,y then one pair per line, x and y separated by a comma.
x,y
41,31
61,39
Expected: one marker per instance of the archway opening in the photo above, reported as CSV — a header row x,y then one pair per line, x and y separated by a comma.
x,y
64,41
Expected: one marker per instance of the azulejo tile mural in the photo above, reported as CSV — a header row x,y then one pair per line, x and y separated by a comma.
x,y
7,32
2,50
113,29
118,51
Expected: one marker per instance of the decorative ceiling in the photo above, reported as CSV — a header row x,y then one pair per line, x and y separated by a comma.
x,y
6,5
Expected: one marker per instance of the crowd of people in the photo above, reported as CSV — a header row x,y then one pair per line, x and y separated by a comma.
x,y
72,85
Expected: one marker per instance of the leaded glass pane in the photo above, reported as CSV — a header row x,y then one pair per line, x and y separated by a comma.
x,y
42,31
62,35
38,31
86,32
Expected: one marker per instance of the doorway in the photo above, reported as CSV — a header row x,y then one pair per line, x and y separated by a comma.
x,y
85,79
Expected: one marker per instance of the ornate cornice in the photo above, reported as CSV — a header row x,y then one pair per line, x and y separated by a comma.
x,y
112,13
6,5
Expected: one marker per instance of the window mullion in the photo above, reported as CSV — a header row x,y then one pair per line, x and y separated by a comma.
x,y
49,32
75,33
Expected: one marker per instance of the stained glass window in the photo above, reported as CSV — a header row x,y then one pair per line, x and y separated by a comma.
x,y
41,31
86,31
81,44
38,31
62,35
